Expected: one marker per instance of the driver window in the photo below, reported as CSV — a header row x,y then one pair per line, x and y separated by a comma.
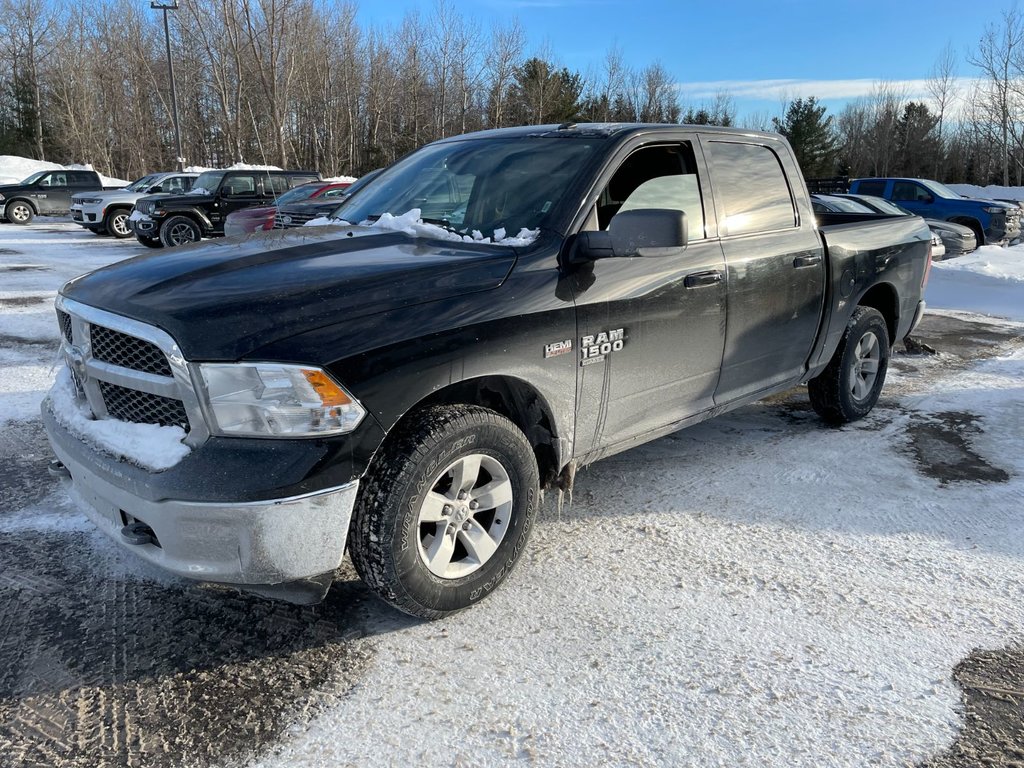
x,y
655,177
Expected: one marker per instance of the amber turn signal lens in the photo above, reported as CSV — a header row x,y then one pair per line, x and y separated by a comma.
x,y
329,392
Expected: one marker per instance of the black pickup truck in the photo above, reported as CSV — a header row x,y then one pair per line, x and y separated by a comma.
x,y
511,305
173,220
46,193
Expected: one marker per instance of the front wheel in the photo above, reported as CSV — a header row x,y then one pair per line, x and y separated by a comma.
x,y
446,510
19,212
179,230
117,223
849,386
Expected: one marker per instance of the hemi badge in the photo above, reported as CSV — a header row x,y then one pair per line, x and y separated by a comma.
x,y
557,348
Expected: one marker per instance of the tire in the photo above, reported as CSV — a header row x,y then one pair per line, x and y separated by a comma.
x,y
848,389
179,230
150,242
19,212
116,223
409,495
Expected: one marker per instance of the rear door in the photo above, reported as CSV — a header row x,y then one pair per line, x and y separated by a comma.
x,y
774,260
650,330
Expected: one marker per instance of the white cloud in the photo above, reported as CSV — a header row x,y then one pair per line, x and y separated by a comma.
x,y
793,88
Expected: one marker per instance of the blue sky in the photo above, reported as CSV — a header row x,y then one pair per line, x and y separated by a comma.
x,y
832,48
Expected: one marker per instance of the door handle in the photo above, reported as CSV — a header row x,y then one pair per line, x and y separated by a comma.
x,y
806,261
699,279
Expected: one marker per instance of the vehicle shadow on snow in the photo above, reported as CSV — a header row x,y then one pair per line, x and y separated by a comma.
x,y
103,661
776,463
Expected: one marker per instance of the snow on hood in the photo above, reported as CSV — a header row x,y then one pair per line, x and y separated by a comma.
x,y
150,446
411,223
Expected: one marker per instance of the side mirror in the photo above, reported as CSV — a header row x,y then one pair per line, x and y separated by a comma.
x,y
639,232
929,199
155,190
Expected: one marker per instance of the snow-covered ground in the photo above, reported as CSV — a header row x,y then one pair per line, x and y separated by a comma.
x,y
757,590
989,281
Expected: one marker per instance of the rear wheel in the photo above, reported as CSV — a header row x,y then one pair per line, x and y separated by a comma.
x,y
445,511
179,230
849,386
116,223
19,212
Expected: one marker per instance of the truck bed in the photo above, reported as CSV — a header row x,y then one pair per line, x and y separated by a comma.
x,y
865,249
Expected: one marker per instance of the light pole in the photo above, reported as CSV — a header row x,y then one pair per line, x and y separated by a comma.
x,y
165,6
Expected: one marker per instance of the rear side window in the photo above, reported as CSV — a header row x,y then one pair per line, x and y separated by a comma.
x,y
80,179
277,186
753,188
876,188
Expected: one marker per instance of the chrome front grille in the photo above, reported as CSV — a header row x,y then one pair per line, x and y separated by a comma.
x,y
287,219
64,319
127,351
142,407
127,370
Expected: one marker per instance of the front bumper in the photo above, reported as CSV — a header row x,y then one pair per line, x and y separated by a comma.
x,y
265,545
88,215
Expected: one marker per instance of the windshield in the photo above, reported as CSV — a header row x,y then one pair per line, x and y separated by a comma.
x,y
34,177
882,205
298,194
941,190
481,185
207,183
843,205
140,185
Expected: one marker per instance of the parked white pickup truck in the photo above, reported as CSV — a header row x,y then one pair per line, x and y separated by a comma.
x,y
106,213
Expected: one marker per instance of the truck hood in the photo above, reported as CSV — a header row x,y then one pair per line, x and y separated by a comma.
x,y
10,188
222,299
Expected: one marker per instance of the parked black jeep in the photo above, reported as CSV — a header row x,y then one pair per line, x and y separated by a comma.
x,y
171,220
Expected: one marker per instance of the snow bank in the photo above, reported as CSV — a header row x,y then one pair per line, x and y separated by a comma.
x,y
411,224
148,445
341,180
235,167
991,192
989,281
14,168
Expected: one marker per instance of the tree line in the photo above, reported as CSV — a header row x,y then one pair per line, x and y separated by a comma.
x,y
301,83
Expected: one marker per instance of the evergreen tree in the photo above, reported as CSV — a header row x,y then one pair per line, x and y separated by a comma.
x,y
918,139
811,135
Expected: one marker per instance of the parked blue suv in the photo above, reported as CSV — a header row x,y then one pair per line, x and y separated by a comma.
x,y
993,222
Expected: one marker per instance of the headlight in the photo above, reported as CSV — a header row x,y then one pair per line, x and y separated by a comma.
x,y
994,209
88,201
274,399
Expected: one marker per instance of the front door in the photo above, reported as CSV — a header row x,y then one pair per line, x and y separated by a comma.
x,y
237,191
650,329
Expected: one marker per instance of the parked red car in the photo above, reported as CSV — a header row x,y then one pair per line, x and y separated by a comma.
x,y
261,219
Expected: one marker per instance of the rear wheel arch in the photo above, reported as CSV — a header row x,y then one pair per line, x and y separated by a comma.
x,y
883,297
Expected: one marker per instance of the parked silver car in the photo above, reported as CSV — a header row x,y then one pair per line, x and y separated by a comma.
x,y
106,213
956,238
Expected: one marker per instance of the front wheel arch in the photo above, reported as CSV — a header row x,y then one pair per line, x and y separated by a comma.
x,y
20,201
